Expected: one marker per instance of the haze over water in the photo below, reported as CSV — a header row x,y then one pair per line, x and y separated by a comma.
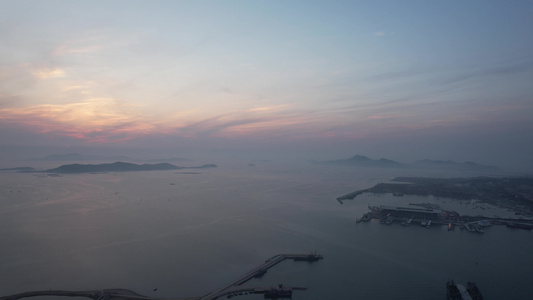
x,y
274,83
188,234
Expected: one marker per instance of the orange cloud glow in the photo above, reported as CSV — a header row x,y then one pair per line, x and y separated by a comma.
x,y
378,117
94,120
108,120
45,73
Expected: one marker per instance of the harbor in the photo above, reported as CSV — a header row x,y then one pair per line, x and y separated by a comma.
x,y
513,193
427,215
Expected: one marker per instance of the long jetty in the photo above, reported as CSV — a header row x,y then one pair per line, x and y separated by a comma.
x,y
260,270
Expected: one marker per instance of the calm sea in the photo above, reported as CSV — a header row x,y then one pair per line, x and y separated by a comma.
x,y
179,234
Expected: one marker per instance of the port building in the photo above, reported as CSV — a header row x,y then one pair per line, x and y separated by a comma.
x,y
408,212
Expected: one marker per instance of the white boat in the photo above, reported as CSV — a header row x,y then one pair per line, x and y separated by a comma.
x,y
477,228
484,223
470,227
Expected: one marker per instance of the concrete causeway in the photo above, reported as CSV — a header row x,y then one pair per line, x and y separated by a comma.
x,y
260,270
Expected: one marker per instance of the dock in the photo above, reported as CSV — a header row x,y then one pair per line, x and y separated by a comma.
x,y
432,215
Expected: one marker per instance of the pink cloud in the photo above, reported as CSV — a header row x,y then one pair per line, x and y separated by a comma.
x,y
379,117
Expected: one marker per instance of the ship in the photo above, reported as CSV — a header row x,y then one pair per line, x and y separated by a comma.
x,y
366,217
280,292
456,291
309,257
260,272
526,226
473,227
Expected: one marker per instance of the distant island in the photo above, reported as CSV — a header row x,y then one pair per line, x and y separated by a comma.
x,y
364,161
120,167
451,165
18,169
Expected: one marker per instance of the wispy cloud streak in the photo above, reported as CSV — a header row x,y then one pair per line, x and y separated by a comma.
x,y
94,120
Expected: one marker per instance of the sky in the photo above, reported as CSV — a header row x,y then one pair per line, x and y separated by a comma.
x,y
406,80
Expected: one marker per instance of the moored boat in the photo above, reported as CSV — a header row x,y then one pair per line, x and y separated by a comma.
x,y
520,225
455,291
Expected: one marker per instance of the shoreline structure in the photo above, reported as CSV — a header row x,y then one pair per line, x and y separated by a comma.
x,y
230,290
511,193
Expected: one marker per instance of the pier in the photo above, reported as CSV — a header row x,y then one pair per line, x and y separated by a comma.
x,y
259,271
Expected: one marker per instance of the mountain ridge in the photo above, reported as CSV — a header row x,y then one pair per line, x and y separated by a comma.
x,y
364,161
449,164
120,167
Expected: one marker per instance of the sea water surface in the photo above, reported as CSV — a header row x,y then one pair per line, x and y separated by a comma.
x,y
178,234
